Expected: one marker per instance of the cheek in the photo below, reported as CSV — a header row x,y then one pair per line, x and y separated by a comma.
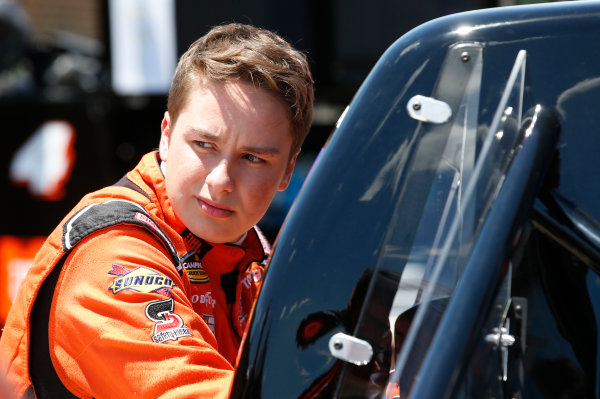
x,y
172,182
182,175
260,191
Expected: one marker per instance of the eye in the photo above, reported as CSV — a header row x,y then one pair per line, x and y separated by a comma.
x,y
254,159
203,144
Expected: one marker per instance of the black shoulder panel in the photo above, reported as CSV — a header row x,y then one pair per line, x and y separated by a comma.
x,y
125,182
96,217
45,380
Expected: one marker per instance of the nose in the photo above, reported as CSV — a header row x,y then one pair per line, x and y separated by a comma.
x,y
219,179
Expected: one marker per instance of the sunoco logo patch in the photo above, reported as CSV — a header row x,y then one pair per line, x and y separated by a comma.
x,y
194,269
140,279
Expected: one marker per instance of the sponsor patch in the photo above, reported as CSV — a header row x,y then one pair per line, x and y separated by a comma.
x,y
140,279
194,269
168,324
205,299
242,316
253,276
210,321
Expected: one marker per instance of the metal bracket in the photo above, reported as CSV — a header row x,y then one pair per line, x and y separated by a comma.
x,y
502,339
350,349
427,109
506,337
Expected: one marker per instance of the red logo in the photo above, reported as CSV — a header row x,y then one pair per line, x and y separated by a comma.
x,y
143,218
168,324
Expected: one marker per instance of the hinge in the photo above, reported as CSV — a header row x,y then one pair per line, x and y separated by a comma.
x,y
428,109
509,339
350,349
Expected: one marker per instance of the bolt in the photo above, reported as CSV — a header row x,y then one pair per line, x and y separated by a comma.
x,y
416,106
338,345
465,57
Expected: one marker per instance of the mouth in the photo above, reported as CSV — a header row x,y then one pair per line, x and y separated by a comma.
x,y
213,209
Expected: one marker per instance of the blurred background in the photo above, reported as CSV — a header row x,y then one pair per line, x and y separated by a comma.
x,y
83,87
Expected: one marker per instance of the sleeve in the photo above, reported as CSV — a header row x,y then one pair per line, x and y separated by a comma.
x,y
121,325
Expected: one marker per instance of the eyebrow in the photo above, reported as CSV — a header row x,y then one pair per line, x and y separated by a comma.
x,y
263,151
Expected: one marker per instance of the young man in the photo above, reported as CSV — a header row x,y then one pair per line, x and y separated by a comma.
x,y
145,288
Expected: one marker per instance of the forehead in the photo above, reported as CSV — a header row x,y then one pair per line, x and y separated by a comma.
x,y
235,99
235,108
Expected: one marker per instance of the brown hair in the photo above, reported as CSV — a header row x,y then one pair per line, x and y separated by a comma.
x,y
261,57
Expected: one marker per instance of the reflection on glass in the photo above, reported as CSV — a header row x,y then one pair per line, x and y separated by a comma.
x,y
466,183
442,159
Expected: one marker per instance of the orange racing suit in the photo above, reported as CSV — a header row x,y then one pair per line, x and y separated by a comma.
x,y
122,300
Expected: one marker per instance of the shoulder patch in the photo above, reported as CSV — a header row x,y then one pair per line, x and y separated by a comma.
x,y
168,324
140,279
193,267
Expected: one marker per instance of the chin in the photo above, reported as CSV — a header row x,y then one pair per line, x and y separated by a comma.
x,y
215,236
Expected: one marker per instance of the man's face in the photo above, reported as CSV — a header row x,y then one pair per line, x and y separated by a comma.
x,y
226,155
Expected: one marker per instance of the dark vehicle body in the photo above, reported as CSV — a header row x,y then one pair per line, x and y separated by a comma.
x,y
446,243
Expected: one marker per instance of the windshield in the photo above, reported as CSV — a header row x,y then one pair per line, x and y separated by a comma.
x,y
472,182
464,183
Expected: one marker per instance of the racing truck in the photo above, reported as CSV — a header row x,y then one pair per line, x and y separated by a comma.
x,y
446,242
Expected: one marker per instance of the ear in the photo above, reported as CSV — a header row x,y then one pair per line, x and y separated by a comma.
x,y
285,181
165,132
